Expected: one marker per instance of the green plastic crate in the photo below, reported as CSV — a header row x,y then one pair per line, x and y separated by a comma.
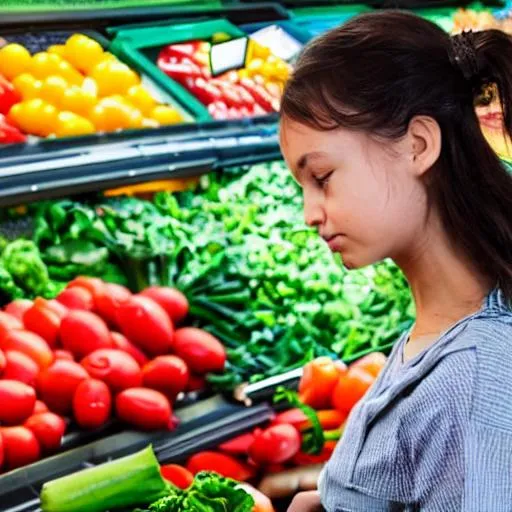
x,y
140,47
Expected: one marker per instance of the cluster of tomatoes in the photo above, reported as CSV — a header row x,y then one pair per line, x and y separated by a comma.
x,y
95,350
76,89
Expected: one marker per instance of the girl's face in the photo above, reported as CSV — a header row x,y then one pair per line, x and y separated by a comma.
x,y
364,196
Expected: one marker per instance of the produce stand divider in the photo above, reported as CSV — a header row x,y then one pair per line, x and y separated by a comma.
x,y
203,425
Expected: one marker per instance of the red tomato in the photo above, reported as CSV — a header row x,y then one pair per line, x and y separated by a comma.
x,y
20,446
57,308
63,354
92,404
171,299
178,475
93,284
107,302
146,324
76,297
196,382
275,445
238,445
3,362
39,407
83,332
30,344
319,378
43,321
49,430
221,464
20,367
167,374
115,368
202,352
18,401
58,384
351,388
8,323
146,409
18,307
121,342
372,363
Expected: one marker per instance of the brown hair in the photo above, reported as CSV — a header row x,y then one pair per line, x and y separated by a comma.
x,y
377,72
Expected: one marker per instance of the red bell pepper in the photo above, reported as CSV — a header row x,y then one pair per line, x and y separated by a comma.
x,y
8,96
221,464
178,475
261,95
179,71
192,50
8,133
205,92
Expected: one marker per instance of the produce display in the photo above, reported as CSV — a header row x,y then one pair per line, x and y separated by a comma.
x,y
250,91
251,472
75,88
93,350
256,277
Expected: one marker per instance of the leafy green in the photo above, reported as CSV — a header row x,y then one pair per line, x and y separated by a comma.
x,y
208,493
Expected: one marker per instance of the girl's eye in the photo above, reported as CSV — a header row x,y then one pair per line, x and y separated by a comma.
x,y
321,181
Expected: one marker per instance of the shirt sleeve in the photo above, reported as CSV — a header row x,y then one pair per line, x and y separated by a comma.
x,y
488,482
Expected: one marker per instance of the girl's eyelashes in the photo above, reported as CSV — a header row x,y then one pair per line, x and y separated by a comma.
x,y
322,180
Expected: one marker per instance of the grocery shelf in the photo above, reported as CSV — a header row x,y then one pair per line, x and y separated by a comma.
x,y
203,425
55,168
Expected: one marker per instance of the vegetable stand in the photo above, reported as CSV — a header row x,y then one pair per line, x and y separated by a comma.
x,y
178,186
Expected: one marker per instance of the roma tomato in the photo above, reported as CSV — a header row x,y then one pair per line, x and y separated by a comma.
x,y
18,307
63,354
18,401
42,320
238,445
350,388
8,323
49,430
144,408
319,378
121,342
146,324
167,374
178,475
58,308
92,404
39,407
372,363
83,332
115,368
275,445
57,385
171,299
76,297
107,302
221,464
20,446
29,344
93,284
202,352
20,367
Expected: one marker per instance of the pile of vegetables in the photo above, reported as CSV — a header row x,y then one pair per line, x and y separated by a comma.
x,y
95,351
256,277
136,480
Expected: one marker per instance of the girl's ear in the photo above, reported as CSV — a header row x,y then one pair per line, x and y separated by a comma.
x,y
424,134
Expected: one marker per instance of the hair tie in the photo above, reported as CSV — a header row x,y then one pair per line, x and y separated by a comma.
x,y
464,54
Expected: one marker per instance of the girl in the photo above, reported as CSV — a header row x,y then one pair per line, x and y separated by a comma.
x,y
379,128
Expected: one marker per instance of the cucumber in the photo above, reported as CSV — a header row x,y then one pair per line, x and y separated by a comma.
x,y
129,481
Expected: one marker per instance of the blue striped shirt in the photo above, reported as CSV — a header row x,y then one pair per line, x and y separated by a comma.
x,y
434,433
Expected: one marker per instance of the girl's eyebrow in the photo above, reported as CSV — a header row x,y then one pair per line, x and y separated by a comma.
x,y
304,160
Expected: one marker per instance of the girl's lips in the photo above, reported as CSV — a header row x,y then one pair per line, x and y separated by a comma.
x,y
335,243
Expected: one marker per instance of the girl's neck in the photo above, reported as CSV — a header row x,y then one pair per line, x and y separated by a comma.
x,y
446,287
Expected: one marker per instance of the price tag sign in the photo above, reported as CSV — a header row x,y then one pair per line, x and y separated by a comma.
x,y
280,43
229,55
